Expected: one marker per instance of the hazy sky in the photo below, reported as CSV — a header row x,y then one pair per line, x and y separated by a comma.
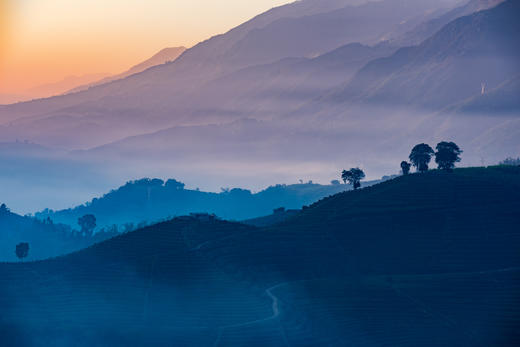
x,y
45,40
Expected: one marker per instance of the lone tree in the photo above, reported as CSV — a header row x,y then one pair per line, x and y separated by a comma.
x,y
22,250
405,167
87,224
421,156
353,177
3,209
448,153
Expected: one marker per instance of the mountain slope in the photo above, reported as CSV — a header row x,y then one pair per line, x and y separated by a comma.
x,y
285,85
168,95
502,99
428,28
51,89
165,55
447,68
423,260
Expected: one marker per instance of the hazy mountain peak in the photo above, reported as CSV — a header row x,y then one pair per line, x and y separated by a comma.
x,y
165,55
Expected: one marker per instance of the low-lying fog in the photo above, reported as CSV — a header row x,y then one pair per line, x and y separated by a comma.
x,y
250,154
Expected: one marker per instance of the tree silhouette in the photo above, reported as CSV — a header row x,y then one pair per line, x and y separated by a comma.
x,y
448,153
421,156
405,167
353,177
87,224
3,209
510,161
22,250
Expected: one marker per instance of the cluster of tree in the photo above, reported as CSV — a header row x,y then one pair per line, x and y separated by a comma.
x,y
446,155
510,161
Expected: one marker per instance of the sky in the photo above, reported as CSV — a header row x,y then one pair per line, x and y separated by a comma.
x,y
43,41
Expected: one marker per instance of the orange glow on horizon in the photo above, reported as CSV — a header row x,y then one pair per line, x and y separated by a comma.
x,y
44,41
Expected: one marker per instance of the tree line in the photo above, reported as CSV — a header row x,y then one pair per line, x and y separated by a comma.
x,y
447,154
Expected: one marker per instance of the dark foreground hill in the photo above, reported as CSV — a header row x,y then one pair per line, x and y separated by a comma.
x,y
423,260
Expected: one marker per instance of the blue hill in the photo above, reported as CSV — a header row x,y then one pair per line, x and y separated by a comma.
x,y
423,260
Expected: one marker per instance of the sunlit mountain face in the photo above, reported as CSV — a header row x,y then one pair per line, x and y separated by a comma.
x,y
260,173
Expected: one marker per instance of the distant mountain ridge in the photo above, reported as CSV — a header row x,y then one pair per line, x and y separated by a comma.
x,y
427,29
165,55
168,95
51,89
451,66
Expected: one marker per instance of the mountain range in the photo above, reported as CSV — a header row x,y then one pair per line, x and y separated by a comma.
x,y
168,95
72,84
470,52
290,91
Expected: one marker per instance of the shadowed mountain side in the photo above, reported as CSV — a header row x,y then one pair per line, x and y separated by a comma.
x,y
471,53
423,260
283,86
168,95
430,27
290,37
502,99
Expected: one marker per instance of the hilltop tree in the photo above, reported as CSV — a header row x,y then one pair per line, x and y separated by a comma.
x,y
405,167
22,250
448,153
421,156
3,209
174,184
87,224
510,161
353,177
